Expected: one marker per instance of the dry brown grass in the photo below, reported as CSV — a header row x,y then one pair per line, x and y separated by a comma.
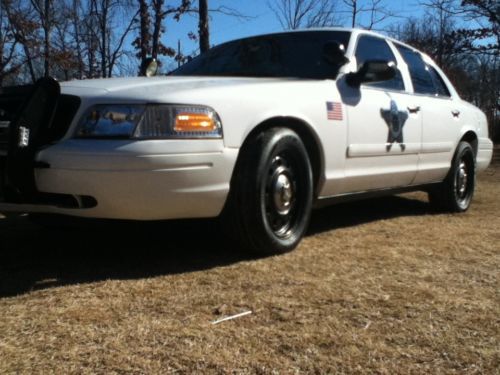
x,y
382,286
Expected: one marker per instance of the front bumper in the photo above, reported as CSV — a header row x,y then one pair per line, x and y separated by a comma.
x,y
137,180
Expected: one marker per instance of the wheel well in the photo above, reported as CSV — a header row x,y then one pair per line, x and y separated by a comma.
x,y
305,133
471,138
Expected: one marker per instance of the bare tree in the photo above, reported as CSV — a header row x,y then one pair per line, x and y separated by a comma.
x,y
159,15
483,32
74,11
90,40
149,41
152,16
44,10
442,12
203,11
64,62
295,14
116,51
483,24
479,10
24,28
376,10
110,37
143,41
430,35
354,10
9,57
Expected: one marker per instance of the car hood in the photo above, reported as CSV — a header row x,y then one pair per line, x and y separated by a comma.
x,y
148,88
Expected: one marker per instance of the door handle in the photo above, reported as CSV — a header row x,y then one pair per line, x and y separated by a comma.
x,y
414,109
455,113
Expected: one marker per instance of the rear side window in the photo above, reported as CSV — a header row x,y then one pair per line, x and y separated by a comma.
x,y
373,48
419,72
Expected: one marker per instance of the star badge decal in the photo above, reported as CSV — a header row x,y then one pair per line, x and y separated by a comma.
x,y
395,120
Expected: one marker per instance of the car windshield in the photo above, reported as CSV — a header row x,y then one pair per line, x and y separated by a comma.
x,y
298,54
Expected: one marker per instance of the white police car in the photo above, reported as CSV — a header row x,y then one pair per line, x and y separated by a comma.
x,y
257,131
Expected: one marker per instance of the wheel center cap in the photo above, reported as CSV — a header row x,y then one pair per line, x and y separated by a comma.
x,y
283,194
462,180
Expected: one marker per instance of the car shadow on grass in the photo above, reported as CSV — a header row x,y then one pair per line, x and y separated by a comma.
x,y
365,211
34,257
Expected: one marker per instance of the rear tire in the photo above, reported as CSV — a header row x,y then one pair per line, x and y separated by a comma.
x,y
455,193
270,200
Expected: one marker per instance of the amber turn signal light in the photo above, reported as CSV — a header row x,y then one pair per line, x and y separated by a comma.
x,y
194,122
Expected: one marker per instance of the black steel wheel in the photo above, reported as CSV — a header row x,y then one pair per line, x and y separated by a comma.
x,y
270,200
455,193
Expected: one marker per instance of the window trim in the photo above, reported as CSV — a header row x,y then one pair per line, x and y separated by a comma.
x,y
441,81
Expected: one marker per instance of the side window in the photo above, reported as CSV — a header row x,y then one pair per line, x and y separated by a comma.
x,y
373,48
419,72
441,88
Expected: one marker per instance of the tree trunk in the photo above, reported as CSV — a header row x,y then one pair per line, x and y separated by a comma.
x,y
203,27
144,36
354,12
46,29
104,29
158,9
78,40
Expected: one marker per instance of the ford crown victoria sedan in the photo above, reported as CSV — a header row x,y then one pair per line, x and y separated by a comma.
x,y
256,131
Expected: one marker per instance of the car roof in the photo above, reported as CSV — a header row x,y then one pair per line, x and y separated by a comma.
x,y
355,31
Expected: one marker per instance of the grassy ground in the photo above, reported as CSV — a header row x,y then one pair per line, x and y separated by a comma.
x,y
382,286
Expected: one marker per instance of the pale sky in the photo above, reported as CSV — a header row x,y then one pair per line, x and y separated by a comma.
x,y
224,28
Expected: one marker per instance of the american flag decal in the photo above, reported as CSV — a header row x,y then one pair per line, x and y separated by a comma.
x,y
334,111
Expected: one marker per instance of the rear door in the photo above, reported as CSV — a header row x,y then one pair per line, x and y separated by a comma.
x,y
442,119
385,127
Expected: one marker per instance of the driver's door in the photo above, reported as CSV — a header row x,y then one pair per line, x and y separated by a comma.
x,y
384,127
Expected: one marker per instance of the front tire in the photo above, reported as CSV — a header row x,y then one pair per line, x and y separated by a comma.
x,y
455,193
270,200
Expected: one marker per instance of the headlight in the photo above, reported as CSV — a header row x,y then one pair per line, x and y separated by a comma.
x,y
149,121
110,121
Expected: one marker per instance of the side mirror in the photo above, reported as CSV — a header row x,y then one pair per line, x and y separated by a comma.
x,y
334,53
372,71
149,67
